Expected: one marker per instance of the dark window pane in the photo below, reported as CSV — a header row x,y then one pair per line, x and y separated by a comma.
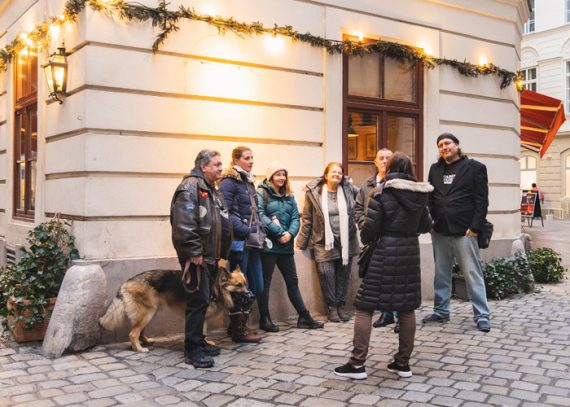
x,y
32,190
402,135
399,81
20,185
33,115
23,130
364,76
362,144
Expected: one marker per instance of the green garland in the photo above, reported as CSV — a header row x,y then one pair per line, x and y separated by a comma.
x,y
168,22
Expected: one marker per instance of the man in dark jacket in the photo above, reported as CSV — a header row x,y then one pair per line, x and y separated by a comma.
x,y
458,205
361,206
201,234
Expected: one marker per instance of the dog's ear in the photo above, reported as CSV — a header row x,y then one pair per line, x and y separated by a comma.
x,y
223,264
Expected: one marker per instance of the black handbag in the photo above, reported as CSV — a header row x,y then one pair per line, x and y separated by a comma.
x,y
365,256
255,240
484,236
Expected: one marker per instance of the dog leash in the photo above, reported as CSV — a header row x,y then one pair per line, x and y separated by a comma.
x,y
191,275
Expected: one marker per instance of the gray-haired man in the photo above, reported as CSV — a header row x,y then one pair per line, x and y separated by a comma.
x,y
201,234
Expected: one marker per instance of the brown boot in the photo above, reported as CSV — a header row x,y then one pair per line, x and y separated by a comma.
x,y
239,332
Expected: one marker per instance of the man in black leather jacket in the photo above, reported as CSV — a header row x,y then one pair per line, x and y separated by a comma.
x,y
201,234
458,206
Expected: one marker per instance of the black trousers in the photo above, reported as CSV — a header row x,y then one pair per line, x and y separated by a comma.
x,y
196,305
286,264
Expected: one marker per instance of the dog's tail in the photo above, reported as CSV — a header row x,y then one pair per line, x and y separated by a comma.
x,y
115,314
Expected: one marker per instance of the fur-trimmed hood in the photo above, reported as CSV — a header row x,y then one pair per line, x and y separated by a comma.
x,y
410,194
231,173
399,183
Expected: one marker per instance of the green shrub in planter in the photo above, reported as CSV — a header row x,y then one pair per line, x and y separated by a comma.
x,y
38,275
508,276
545,265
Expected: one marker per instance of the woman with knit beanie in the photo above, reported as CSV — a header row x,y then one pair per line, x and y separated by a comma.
x,y
237,187
280,215
328,227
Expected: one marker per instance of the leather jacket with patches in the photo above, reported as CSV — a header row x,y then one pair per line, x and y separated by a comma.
x,y
200,220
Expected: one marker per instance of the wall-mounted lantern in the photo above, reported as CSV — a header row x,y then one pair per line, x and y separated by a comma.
x,y
56,74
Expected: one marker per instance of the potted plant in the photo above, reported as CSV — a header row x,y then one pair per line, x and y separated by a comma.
x,y
30,287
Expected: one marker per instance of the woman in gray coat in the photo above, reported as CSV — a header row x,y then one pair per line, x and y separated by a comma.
x,y
328,227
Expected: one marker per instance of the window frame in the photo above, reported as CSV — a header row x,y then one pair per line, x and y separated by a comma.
x,y
26,104
383,108
526,168
527,82
530,25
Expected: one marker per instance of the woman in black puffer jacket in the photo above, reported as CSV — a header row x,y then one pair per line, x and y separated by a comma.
x,y
396,216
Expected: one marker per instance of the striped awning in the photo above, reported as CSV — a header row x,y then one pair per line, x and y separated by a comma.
x,y
541,117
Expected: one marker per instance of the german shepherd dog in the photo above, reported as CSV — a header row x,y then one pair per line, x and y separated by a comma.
x,y
140,297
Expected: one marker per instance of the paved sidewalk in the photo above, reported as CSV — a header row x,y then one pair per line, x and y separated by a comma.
x,y
523,361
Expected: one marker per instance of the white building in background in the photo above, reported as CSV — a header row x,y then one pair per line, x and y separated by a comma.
x,y
110,157
545,61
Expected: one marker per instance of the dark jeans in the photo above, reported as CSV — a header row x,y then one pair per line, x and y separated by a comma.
x,y
363,328
286,264
334,278
196,305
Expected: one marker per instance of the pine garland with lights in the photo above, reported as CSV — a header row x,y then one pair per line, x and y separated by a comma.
x,y
168,21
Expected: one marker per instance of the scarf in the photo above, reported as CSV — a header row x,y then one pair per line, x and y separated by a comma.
x,y
250,177
343,221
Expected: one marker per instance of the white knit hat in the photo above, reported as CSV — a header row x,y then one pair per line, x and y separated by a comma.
x,y
273,167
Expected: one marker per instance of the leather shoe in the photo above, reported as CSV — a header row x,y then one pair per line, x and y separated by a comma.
x,y
199,359
306,321
397,327
434,318
383,321
484,325
267,324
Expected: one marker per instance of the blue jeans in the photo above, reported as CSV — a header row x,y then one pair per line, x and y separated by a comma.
x,y
250,265
464,250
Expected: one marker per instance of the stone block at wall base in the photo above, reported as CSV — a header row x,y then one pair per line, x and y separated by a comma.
x,y
74,322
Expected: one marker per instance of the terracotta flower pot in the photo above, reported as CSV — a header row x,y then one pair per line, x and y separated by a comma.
x,y
37,331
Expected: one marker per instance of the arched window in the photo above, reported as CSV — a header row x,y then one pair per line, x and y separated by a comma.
x,y
528,171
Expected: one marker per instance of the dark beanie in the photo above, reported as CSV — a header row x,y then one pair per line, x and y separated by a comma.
x,y
449,136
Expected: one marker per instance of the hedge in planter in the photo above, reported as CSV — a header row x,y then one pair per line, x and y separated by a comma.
x,y
545,265
503,277
38,276
508,276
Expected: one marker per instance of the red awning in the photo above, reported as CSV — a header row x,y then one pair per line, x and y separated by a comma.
x,y
541,117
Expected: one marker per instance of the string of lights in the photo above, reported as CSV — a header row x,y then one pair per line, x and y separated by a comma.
x,y
168,22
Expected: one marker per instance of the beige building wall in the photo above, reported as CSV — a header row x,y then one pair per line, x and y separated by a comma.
x,y
548,49
113,152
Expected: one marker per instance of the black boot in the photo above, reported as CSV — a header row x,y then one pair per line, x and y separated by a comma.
x,y
306,321
198,358
267,324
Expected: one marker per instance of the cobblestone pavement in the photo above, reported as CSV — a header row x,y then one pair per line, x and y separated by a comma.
x,y
523,361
